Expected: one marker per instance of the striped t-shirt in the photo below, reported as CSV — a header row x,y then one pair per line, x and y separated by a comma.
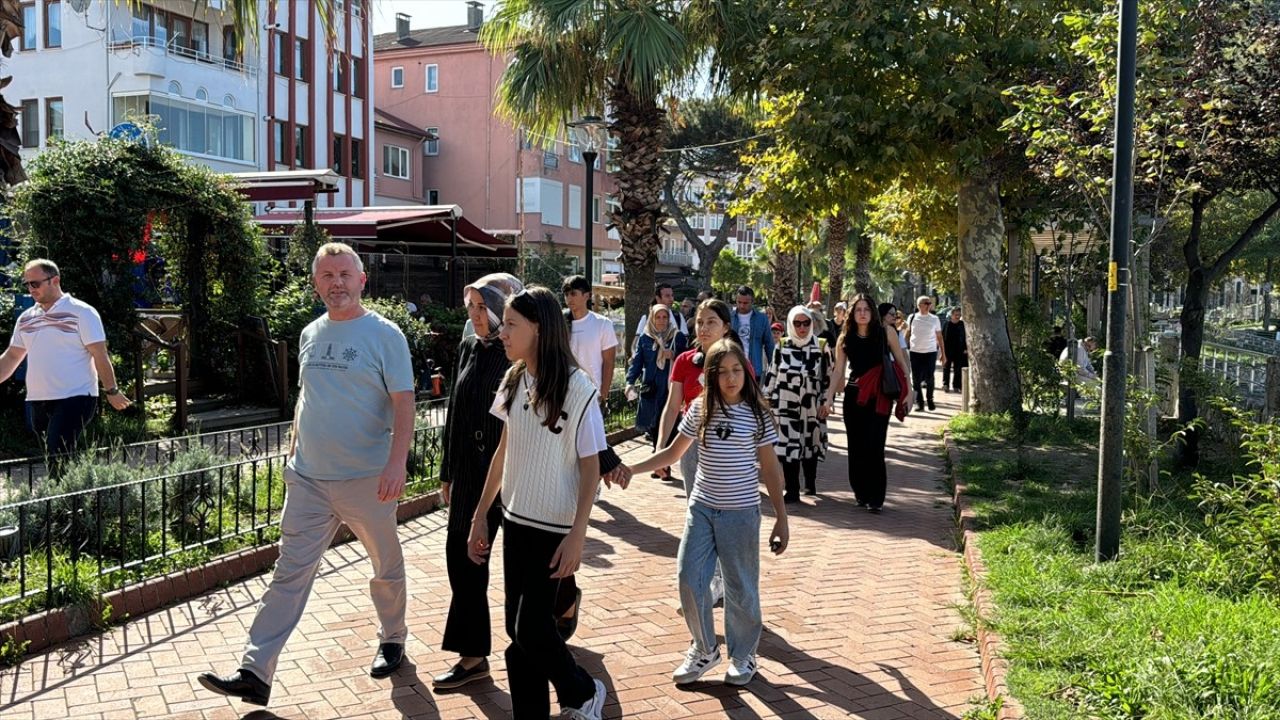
x,y
727,477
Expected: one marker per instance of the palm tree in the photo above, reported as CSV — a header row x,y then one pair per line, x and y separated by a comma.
x,y
571,57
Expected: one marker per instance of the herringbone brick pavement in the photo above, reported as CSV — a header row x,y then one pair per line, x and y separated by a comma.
x,y
859,615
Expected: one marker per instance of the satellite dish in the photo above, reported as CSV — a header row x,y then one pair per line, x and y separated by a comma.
x,y
125,131
80,6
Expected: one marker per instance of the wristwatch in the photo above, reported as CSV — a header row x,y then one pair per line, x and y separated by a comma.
x,y
112,391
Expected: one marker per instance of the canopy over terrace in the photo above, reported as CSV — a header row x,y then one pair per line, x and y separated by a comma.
x,y
424,230
285,185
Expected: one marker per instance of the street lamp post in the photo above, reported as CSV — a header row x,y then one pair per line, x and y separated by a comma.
x,y
589,135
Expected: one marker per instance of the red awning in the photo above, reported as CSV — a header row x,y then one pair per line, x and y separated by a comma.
x,y
285,185
412,230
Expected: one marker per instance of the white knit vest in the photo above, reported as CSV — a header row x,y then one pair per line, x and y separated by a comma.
x,y
540,478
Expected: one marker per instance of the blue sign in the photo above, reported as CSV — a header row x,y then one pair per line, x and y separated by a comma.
x,y
126,131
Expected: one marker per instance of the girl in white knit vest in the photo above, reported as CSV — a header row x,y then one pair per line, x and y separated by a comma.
x,y
734,430
547,469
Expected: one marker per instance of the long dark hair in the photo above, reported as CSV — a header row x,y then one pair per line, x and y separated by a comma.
x,y
712,400
538,305
720,308
875,328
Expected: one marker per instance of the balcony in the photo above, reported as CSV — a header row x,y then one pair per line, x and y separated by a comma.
x,y
675,259
154,55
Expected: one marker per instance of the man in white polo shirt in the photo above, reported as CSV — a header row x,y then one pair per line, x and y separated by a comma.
x,y
67,346
924,340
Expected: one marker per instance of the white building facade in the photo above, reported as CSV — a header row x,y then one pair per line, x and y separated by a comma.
x,y
289,98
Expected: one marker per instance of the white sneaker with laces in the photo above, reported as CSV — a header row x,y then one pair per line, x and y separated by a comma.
x,y
741,671
695,665
593,710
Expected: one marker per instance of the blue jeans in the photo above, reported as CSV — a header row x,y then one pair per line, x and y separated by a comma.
x,y
733,538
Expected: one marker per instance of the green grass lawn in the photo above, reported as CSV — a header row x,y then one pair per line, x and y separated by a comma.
x,y
1164,632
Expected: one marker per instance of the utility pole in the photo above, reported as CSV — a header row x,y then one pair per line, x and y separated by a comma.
x,y
1114,365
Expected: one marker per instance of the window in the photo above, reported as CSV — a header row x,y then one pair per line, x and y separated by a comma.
x,y
198,127
180,30
357,164
550,159
29,26
433,78
339,155
357,77
433,197
340,70
395,162
229,101
174,88
575,153
595,209
280,56
140,28
300,146
29,121
575,207
52,118
52,24
230,45
200,39
279,153
397,77
433,146
300,63
202,94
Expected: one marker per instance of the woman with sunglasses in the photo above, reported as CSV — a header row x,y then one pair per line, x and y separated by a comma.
x,y
800,393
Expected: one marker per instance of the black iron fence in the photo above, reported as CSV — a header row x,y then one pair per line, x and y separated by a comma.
x,y
59,549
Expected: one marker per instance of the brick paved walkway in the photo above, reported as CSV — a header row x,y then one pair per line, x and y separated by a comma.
x,y
858,617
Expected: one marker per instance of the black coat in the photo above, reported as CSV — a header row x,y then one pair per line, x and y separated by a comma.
x,y
471,432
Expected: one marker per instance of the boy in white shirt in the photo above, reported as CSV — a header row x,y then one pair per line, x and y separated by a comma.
x,y
591,335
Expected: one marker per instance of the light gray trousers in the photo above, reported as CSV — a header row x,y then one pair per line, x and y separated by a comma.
x,y
313,510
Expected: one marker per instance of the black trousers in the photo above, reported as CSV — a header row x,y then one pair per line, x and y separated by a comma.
x,y
536,654
791,475
467,630
59,423
923,366
948,368
868,431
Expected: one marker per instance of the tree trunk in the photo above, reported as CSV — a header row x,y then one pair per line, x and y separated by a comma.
x,y
1016,272
862,264
980,226
782,295
1138,328
837,241
640,129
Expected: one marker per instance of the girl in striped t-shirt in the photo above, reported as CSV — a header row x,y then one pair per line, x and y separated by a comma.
x,y
734,430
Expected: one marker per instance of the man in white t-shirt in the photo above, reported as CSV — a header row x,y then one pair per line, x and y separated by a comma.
x,y
924,340
1084,365
67,345
591,335
664,295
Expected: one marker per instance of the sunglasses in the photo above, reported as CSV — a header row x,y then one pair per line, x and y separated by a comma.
x,y
801,323
33,284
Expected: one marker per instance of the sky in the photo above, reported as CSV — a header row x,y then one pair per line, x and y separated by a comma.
x,y
422,13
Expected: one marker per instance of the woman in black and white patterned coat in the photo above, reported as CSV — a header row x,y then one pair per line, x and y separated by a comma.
x,y
799,388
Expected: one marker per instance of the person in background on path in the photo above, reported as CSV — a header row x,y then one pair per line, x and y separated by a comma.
x,y
469,441
892,319
711,324
799,390
731,424
900,326
67,347
955,346
1082,361
838,316
863,344
354,366
752,326
650,370
688,308
821,328
664,295
778,332
591,336
924,340
1056,343
547,469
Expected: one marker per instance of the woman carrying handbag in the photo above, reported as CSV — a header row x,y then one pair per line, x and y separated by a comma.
x,y
877,388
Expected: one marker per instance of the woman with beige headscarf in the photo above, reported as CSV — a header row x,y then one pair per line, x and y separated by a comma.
x,y
650,370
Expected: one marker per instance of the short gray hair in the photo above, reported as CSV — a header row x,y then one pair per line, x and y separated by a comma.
x,y
48,267
335,248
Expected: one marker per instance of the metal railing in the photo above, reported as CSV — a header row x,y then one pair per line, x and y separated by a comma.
x,y
70,547
1244,370
171,48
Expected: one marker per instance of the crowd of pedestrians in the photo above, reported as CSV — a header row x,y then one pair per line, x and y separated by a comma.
x,y
728,397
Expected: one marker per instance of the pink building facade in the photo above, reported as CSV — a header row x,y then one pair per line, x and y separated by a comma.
x,y
442,81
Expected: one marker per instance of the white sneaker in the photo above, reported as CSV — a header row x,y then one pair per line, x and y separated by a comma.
x,y
741,671
695,665
717,591
593,710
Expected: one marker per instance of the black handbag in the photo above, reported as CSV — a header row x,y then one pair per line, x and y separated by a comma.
x,y
889,385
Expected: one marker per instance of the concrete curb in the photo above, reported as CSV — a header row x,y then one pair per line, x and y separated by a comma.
x,y
990,647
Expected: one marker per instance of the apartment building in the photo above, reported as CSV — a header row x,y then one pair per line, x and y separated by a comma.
x,y
442,82
292,97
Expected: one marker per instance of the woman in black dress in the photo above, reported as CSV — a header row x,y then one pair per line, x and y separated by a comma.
x,y
863,343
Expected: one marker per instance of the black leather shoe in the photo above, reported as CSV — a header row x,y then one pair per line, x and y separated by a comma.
x,y
459,676
932,407
567,626
810,491
388,659
241,684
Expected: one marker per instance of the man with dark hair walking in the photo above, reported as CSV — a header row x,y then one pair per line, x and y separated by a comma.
x,y
753,327
67,347
664,295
